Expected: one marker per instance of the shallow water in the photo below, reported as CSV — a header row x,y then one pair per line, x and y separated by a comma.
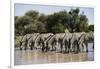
x,y
37,57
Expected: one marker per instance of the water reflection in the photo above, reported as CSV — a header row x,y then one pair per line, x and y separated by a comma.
x,y
37,57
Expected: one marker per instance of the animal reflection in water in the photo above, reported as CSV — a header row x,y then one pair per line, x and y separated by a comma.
x,y
61,42
37,57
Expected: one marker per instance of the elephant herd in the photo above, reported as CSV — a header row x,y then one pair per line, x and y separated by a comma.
x,y
59,42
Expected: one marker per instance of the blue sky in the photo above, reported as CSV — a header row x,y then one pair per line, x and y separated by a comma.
x,y
21,9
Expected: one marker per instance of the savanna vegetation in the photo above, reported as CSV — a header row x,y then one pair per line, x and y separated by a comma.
x,y
33,21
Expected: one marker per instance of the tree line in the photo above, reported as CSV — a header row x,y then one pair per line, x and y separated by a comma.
x,y
35,22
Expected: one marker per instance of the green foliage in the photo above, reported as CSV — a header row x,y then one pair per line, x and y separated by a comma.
x,y
91,28
57,22
17,41
33,14
21,24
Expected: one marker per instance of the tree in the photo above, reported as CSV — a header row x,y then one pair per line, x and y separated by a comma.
x,y
91,27
33,14
42,18
38,22
82,25
73,19
56,20
77,22
21,24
